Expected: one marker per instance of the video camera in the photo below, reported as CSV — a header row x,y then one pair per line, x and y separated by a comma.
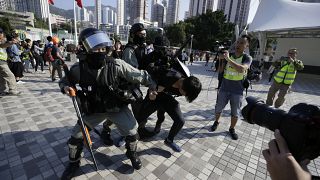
x,y
220,47
300,126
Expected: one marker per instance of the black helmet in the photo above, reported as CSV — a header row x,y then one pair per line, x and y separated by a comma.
x,y
136,28
92,38
161,41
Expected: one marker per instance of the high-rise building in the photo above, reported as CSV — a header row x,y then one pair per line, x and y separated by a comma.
x,y
173,12
98,13
197,7
140,10
108,15
129,10
38,7
120,12
84,14
236,11
186,14
157,14
3,5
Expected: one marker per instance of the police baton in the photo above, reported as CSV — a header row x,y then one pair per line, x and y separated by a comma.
x,y
84,129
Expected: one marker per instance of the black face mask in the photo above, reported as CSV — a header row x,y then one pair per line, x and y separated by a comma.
x,y
96,60
139,40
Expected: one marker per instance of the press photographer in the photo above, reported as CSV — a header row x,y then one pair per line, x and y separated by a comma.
x,y
299,127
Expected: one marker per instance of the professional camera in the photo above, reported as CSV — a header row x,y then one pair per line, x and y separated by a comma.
x,y
300,126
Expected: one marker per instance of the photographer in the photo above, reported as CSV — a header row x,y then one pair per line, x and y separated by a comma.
x,y
300,133
284,78
232,83
281,164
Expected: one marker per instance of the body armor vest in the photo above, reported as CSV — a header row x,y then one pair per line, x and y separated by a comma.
x,y
102,92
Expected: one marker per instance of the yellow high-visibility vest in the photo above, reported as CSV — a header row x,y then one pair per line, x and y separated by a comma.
x,y
287,73
231,74
3,54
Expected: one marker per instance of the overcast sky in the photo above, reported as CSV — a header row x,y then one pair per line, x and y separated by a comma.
x,y
68,4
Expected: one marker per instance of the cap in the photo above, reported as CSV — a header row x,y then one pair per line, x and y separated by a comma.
x,y
1,30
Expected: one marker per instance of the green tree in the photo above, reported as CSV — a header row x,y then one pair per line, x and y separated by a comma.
x,y
39,23
206,28
5,25
210,27
176,34
66,26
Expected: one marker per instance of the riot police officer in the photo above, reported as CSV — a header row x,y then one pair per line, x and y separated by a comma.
x,y
135,51
103,94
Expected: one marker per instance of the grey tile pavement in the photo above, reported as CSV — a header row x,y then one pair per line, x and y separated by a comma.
x,y
36,125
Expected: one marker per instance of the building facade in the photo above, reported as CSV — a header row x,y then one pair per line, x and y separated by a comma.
x,y
172,12
38,7
19,20
236,11
98,13
109,15
158,14
197,7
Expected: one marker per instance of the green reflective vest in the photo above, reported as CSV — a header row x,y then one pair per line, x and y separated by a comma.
x,y
231,74
287,73
25,55
3,54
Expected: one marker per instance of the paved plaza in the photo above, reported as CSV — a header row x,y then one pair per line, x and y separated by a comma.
x,y
35,128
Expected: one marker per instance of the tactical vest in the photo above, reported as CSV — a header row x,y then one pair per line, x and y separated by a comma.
x,y
102,92
231,74
3,54
287,73
140,54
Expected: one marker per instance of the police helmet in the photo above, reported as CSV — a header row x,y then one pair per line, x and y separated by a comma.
x,y
136,28
92,39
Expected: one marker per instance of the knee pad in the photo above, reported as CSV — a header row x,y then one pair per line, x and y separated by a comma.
x,y
75,149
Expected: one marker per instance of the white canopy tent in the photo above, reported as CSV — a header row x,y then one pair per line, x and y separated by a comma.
x,y
275,15
287,19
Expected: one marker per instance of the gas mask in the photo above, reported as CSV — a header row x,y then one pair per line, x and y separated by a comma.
x,y
96,60
140,40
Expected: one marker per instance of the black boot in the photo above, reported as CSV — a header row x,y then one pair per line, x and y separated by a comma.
x,y
106,138
71,170
131,146
75,153
145,133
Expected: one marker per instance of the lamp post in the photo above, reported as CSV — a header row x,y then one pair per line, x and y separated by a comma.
x,y
190,46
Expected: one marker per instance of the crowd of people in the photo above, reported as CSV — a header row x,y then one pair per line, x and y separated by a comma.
x,y
110,76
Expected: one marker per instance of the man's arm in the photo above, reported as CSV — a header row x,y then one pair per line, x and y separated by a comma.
x,y
8,44
134,75
74,77
281,164
238,67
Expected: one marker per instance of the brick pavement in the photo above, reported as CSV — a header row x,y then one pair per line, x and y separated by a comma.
x,y
36,125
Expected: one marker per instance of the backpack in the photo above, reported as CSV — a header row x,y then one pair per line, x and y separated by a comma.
x,y
253,73
47,55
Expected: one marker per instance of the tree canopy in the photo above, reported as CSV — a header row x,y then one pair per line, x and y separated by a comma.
x,y
206,28
5,25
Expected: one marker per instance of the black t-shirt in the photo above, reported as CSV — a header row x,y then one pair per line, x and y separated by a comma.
x,y
167,79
